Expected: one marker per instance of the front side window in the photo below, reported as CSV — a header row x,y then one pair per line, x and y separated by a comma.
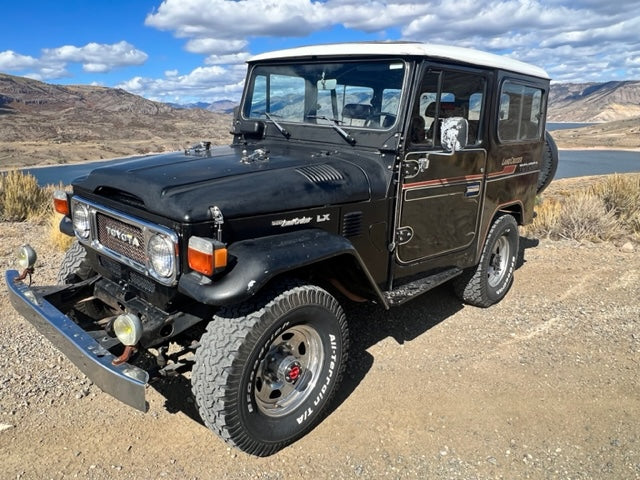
x,y
520,116
445,94
349,94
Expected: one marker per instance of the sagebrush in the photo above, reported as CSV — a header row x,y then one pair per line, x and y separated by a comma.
x,y
21,198
607,210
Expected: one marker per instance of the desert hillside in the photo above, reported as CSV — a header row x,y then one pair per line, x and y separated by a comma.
x,y
618,134
594,102
42,123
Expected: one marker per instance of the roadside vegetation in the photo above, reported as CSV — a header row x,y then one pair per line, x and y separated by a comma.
x,y
22,199
607,210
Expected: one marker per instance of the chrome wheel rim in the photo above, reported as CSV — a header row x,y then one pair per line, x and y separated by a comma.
x,y
499,261
288,372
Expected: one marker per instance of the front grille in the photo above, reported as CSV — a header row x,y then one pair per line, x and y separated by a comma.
x,y
122,238
142,283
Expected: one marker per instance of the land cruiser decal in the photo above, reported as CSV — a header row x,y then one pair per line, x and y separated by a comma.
x,y
291,222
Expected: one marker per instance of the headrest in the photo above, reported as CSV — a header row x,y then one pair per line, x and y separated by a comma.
x,y
357,110
447,110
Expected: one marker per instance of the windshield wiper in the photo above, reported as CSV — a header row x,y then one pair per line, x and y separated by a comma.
x,y
336,127
280,128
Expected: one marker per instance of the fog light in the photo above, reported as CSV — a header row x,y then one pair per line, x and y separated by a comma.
x,y
26,257
128,328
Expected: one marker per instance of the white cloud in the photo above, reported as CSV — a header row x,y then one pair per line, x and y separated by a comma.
x,y
10,61
97,57
94,57
203,83
214,45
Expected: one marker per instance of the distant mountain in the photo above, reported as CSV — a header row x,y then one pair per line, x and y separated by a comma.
x,y
594,102
222,106
181,106
43,123
219,106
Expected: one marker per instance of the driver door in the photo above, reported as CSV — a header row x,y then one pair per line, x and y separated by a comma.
x,y
441,193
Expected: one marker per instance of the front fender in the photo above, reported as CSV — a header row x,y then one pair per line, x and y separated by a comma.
x,y
259,260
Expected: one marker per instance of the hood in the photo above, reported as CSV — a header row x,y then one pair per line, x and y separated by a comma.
x,y
183,186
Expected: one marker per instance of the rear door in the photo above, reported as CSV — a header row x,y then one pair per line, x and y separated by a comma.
x,y
441,194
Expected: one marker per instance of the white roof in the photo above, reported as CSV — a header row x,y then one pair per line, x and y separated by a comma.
x,y
459,54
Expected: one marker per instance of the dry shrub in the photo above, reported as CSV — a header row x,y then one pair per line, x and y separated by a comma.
x,y
621,195
607,210
21,198
58,239
584,216
547,218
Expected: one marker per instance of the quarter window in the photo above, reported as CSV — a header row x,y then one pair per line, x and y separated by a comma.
x,y
520,116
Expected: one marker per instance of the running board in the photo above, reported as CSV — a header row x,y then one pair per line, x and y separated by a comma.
x,y
399,295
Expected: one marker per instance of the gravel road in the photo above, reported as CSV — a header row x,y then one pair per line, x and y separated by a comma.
x,y
543,385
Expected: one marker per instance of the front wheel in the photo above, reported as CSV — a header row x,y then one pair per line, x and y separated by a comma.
x,y
489,281
264,376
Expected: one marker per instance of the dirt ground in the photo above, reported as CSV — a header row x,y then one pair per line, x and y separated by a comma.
x,y
545,384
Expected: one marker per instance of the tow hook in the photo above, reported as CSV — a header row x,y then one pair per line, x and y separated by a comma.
x,y
128,350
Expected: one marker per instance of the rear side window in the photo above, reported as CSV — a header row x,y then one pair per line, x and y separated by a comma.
x,y
520,116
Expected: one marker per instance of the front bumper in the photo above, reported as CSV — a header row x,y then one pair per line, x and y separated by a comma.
x,y
125,382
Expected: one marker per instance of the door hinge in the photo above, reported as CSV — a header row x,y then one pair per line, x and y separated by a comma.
x,y
412,168
404,235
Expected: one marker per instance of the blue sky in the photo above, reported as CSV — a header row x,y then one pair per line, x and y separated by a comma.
x,y
195,50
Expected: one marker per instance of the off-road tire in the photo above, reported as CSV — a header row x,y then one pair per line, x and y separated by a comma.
x,y
489,281
74,266
234,356
549,164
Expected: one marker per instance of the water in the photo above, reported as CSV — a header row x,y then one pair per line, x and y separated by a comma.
x,y
551,126
573,163
580,163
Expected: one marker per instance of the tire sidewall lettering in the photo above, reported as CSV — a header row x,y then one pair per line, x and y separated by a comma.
x,y
322,389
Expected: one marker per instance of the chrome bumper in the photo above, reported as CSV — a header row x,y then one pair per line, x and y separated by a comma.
x,y
125,382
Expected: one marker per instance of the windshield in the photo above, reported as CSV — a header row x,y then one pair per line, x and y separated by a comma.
x,y
348,94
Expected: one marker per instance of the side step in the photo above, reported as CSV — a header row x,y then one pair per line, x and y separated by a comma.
x,y
405,292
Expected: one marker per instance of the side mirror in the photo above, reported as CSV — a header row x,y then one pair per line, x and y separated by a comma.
x,y
454,134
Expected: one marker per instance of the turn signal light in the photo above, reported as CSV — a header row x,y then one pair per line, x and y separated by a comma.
x,y
60,202
206,256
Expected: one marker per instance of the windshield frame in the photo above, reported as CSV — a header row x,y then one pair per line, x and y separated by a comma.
x,y
311,73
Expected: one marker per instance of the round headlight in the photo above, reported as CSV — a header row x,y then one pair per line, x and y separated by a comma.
x,y
161,255
81,223
128,328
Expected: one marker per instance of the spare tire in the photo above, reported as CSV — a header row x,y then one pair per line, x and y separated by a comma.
x,y
549,163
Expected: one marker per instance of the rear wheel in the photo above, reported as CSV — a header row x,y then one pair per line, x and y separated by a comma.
x,y
489,281
264,374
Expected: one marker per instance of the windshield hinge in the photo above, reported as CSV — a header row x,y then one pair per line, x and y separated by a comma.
x,y
218,221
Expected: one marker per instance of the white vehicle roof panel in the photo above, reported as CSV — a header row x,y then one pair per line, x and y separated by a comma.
x,y
446,52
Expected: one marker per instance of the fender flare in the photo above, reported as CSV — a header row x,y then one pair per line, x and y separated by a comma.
x,y
261,259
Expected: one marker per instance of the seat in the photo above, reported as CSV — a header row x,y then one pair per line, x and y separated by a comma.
x,y
357,111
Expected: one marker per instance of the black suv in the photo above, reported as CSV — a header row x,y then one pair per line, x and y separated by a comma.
x,y
358,172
